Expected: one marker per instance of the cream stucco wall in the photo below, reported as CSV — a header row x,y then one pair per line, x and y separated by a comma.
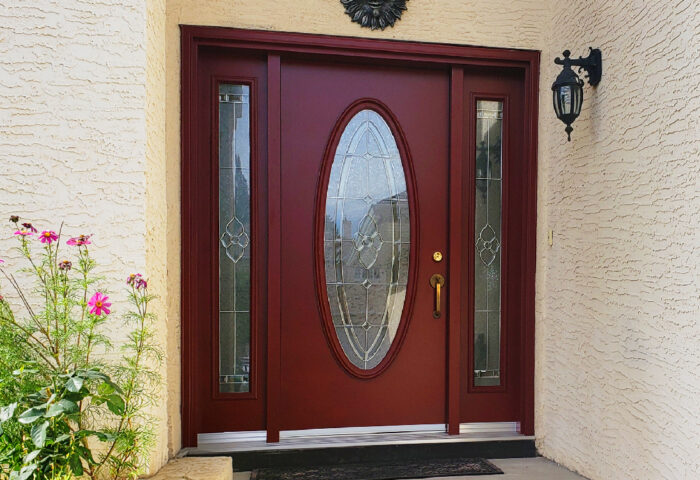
x,y
82,88
618,324
89,116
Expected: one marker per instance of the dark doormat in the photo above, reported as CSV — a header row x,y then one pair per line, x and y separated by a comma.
x,y
382,471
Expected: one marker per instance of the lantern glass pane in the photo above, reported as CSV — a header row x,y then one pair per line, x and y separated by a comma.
x,y
555,101
578,100
565,97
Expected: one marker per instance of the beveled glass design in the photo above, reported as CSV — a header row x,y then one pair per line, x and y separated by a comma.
x,y
234,238
366,239
487,244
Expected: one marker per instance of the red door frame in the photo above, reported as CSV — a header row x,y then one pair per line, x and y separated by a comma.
x,y
399,52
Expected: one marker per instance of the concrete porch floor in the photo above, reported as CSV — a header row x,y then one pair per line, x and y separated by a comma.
x,y
514,469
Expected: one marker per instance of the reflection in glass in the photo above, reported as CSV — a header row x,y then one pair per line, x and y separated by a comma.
x,y
234,238
487,261
366,239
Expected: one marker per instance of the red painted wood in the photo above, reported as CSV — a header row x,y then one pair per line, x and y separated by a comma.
x,y
189,50
527,323
360,48
456,252
208,52
498,403
206,409
274,248
317,391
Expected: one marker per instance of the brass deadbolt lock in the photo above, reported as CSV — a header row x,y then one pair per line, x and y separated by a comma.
x,y
437,256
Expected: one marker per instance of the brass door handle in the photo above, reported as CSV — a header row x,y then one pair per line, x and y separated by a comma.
x,y
437,281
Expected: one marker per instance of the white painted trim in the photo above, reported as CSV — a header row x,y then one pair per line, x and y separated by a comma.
x,y
490,427
332,432
482,429
232,437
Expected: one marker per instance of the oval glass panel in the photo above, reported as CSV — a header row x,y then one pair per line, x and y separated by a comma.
x,y
366,240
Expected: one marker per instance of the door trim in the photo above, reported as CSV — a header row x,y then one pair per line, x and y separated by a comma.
x,y
274,44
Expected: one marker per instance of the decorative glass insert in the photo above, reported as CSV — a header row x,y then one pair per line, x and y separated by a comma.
x,y
487,242
234,238
366,239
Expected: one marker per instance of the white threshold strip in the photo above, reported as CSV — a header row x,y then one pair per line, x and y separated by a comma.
x,y
358,436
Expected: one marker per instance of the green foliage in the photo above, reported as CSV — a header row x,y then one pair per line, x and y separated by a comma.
x,y
65,412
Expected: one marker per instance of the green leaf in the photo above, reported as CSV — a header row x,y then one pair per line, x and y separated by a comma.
x,y
106,437
105,389
62,406
76,465
61,438
115,403
31,456
92,374
7,412
31,415
39,434
74,384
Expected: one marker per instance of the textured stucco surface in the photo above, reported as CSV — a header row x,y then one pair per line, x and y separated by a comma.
x,y
618,323
74,142
72,136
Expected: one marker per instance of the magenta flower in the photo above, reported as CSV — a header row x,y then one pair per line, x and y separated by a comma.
x,y
99,304
133,279
48,236
141,284
30,227
79,240
23,233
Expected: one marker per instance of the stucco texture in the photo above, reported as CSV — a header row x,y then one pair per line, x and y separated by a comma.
x,y
618,304
90,123
79,135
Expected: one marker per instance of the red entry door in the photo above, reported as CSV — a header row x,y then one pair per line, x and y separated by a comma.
x,y
364,196
357,236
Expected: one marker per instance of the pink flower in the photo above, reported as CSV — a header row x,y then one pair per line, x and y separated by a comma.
x,y
48,236
99,304
23,233
79,240
133,279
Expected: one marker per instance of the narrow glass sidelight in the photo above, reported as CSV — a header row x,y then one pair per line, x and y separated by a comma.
x,y
487,243
234,238
366,240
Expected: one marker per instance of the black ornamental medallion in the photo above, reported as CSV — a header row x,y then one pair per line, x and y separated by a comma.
x,y
374,14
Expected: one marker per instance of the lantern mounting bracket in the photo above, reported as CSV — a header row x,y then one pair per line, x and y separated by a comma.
x,y
592,64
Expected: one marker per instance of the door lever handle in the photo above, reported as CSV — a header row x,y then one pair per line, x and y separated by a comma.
x,y
437,281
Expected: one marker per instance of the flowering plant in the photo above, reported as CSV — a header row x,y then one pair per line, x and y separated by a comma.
x,y
65,411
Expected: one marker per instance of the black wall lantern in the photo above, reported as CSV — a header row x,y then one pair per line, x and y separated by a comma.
x,y
567,89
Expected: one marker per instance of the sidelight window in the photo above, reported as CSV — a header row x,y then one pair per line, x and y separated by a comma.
x,y
234,238
487,258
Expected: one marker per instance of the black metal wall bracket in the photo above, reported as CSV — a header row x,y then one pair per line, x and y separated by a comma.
x,y
592,64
